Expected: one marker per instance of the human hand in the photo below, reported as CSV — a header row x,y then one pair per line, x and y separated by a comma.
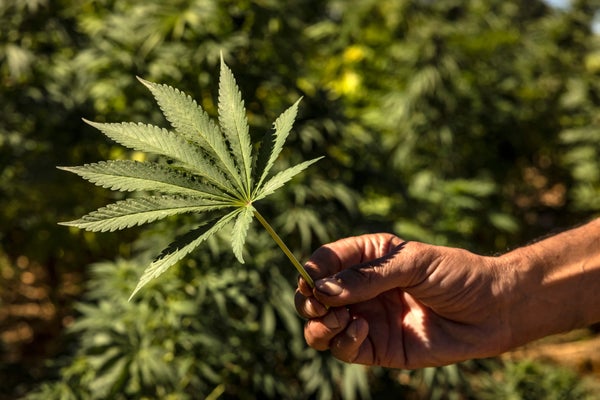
x,y
383,301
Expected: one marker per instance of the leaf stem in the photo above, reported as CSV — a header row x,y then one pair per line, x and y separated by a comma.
x,y
285,249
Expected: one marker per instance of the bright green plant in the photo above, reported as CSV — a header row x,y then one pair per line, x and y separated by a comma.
x,y
213,170
202,332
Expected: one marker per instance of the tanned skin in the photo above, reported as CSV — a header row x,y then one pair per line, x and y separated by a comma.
x,y
380,300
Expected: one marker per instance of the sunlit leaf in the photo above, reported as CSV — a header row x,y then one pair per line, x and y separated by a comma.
x,y
232,118
209,171
138,211
240,229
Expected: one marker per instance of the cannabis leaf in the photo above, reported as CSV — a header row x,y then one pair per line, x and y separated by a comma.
x,y
215,172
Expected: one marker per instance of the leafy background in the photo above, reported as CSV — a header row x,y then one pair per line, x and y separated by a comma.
x,y
465,123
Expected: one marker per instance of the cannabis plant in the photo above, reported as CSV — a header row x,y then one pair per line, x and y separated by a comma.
x,y
214,170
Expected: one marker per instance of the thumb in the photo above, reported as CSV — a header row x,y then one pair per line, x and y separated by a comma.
x,y
399,268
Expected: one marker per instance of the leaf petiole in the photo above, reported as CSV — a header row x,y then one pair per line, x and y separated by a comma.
x,y
285,249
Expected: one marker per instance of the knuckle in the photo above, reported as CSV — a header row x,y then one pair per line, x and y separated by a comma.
x,y
343,352
313,339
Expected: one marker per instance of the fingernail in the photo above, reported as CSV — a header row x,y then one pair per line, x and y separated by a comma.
x,y
329,286
331,321
310,307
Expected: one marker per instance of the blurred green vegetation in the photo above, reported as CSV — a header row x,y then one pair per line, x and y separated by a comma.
x,y
464,123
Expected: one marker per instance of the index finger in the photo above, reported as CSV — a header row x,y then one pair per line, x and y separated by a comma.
x,y
334,257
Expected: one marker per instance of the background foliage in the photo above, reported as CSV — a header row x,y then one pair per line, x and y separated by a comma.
x,y
465,123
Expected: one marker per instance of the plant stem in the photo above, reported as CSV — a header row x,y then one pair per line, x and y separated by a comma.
x,y
285,249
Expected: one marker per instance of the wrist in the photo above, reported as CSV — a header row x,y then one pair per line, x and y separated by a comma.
x,y
527,304
554,285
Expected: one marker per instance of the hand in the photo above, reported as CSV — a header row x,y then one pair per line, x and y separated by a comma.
x,y
383,301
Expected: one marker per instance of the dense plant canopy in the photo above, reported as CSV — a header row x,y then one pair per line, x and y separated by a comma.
x,y
465,123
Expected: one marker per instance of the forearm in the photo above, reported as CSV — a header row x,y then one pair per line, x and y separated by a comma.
x,y
554,284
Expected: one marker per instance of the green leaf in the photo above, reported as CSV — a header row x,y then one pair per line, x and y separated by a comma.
x,y
214,172
232,118
128,176
238,237
153,139
270,149
282,178
182,112
192,122
180,248
131,212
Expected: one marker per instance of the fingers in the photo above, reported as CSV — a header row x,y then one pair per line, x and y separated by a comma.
x,y
351,345
348,271
343,335
308,307
337,256
304,287
388,263
319,332
352,271
322,263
